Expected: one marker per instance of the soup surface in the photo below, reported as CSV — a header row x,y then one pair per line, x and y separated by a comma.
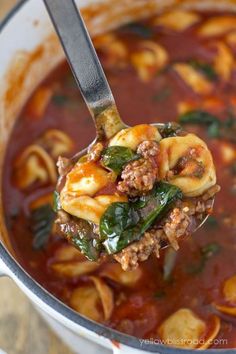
x,y
176,67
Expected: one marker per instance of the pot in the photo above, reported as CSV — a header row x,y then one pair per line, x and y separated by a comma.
x,y
29,51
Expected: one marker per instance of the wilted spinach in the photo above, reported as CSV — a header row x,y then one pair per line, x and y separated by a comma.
x,y
56,201
138,29
115,157
206,69
90,247
123,223
83,238
216,128
169,129
41,221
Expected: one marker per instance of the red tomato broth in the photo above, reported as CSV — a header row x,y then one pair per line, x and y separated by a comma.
x,y
143,310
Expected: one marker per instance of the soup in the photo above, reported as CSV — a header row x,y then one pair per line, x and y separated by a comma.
x,y
175,67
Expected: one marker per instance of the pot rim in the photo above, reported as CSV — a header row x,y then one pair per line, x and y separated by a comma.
x,y
63,309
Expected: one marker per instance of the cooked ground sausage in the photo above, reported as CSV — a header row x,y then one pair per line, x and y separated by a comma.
x,y
148,149
138,177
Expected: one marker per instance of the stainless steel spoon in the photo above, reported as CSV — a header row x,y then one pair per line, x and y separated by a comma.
x,y
85,66
87,71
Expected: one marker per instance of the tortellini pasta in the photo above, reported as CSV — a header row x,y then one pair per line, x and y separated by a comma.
x,y
116,273
56,142
86,300
82,183
34,165
87,178
187,163
184,329
151,58
229,292
224,60
39,102
132,137
217,26
193,78
114,49
74,268
177,20
88,208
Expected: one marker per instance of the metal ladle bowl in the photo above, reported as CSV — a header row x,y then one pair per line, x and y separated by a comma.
x,y
88,73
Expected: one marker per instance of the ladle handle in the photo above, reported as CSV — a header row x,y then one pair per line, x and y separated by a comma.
x,y
85,65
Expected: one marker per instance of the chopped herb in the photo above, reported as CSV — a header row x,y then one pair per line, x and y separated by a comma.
x,y
115,157
206,69
216,128
59,100
162,95
206,253
123,223
160,294
138,29
41,219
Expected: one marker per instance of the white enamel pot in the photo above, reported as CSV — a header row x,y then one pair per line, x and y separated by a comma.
x,y
29,50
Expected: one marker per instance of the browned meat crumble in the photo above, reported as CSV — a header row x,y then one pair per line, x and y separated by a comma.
x,y
138,177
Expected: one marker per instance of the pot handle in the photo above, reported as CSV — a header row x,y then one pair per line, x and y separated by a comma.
x,y
4,271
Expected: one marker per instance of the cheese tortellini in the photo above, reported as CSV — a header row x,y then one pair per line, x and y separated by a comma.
x,y
82,183
187,163
132,137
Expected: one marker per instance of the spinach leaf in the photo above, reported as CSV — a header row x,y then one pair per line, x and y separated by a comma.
x,y
56,201
123,223
206,69
85,239
198,117
138,29
216,128
115,157
169,129
41,222
88,246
